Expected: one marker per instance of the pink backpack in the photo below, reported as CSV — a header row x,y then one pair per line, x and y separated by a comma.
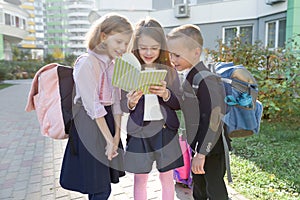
x,y
183,174
51,96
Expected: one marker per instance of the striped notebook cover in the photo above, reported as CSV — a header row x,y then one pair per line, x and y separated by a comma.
x,y
127,77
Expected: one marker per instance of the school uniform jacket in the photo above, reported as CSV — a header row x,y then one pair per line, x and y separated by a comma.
x,y
203,113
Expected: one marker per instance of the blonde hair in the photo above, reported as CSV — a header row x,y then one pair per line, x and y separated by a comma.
x,y
109,23
191,33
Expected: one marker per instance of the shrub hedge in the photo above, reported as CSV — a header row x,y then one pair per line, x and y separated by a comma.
x,y
276,71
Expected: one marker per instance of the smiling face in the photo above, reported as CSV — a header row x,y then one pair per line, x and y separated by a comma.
x,y
148,48
116,43
182,57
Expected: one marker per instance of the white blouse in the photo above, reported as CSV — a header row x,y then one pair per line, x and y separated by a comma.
x,y
92,76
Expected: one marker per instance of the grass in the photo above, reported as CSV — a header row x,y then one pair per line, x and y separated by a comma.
x,y
267,166
4,85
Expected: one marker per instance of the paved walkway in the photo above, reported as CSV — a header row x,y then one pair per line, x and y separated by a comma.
x,y
30,163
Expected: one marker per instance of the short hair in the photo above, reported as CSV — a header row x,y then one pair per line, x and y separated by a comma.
x,y
109,23
191,33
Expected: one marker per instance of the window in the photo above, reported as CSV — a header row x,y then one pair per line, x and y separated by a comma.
x,y
244,32
229,34
39,35
13,22
17,21
24,24
21,23
39,28
275,33
7,19
38,20
1,16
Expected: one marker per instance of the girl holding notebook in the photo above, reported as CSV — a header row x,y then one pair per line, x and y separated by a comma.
x,y
152,123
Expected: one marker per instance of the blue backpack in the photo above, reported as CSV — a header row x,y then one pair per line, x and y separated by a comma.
x,y
244,111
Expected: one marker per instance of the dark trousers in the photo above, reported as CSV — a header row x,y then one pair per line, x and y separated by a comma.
x,y
211,185
99,196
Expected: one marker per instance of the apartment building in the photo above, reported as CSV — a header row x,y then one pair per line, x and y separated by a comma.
x,y
34,41
269,21
60,25
56,37
13,25
66,24
78,25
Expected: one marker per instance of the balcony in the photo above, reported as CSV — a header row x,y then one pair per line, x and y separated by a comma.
x,y
78,30
80,6
15,2
76,46
77,21
76,38
12,33
78,14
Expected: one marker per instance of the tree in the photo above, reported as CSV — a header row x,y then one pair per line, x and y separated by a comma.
x,y
58,54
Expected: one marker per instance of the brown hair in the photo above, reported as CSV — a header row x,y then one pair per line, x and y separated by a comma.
x,y
109,23
152,28
191,33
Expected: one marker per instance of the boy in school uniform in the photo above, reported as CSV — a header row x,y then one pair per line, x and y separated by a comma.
x,y
202,113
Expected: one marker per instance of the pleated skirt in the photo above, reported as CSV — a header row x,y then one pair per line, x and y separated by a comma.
x,y
85,166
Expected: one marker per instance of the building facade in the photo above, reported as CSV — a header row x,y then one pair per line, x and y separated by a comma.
x,y
59,26
13,26
56,37
34,41
56,27
66,25
270,21
78,25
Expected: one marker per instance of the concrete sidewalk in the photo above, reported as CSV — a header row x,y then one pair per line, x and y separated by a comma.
x,y
30,163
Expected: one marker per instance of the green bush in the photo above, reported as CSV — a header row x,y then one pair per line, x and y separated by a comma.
x,y
277,73
68,60
2,74
27,69
20,69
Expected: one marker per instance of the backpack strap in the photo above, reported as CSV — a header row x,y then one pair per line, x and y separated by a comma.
x,y
227,157
196,81
75,110
199,77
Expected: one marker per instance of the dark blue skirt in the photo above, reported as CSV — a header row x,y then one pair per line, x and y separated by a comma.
x,y
146,146
85,167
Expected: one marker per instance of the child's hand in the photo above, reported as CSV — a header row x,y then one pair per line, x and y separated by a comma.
x,y
160,90
133,98
111,150
198,164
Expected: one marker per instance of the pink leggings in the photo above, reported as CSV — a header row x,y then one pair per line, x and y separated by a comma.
x,y
166,180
